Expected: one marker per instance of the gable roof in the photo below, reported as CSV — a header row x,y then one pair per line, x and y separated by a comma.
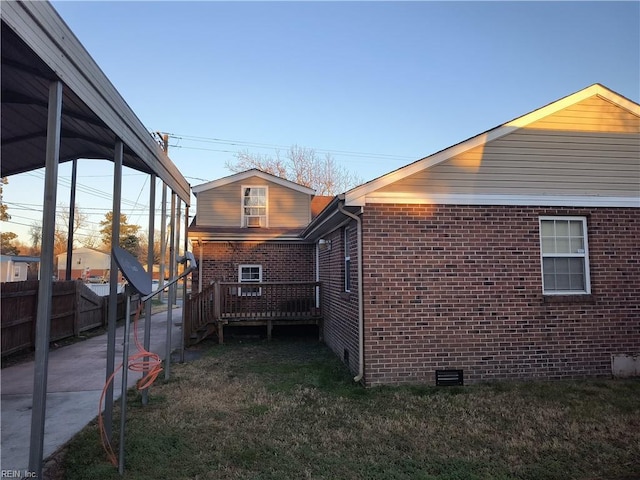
x,y
254,172
80,250
357,196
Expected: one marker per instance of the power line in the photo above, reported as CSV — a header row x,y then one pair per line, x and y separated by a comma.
x,y
261,145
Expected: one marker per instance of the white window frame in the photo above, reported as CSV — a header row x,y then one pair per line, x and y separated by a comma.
x,y
579,254
263,218
249,291
347,261
17,271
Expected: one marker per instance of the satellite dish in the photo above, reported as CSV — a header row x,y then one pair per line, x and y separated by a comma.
x,y
135,274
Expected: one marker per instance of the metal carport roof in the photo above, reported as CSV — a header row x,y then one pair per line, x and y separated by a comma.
x,y
37,48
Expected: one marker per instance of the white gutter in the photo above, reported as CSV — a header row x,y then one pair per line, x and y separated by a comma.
x,y
358,220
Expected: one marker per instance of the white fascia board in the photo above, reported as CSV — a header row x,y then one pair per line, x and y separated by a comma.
x,y
252,173
577,97
503,199
358,196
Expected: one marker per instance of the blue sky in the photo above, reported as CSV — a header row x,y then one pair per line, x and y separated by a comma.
x,y
390,82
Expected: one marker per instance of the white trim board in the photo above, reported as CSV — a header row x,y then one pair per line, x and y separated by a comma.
x,y
499,199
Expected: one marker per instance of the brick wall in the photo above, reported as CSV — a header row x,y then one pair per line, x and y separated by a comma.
x,y
340,309
460,287
281,262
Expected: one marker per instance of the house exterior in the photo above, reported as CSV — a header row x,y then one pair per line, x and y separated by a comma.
x,y
87,264
511,255
18,268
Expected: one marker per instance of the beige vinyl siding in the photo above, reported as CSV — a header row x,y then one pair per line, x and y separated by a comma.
x,y
222,206
594,114
591,148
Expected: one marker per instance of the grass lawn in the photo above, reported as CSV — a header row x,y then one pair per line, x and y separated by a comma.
x,y
289,410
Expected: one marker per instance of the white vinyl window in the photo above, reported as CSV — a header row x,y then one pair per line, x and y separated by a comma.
x,y
250,274
347,262
17,271
254,206
564,255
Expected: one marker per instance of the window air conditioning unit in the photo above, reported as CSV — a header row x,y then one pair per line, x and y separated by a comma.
x,y
253,221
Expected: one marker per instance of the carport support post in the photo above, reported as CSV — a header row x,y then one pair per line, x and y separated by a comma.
x,y
43,325
184,281
172,287
72,218
147,305
125,371
163,239
113,288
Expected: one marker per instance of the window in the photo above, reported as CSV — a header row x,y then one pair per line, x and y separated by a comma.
x,y
254,206
17,271
250,274
347,262
564,253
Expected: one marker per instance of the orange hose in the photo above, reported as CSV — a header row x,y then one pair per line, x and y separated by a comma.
x,y
142,361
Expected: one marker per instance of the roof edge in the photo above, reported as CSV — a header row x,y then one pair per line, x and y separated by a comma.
x,y
254,172
357,196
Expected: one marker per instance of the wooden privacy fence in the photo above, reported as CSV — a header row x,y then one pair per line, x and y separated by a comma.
x,y
74,309
265,303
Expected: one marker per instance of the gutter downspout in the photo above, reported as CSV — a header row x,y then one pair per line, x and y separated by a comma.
x,y
358,220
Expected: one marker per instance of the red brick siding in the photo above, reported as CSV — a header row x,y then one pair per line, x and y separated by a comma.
x,y
460,287
281,262
340,309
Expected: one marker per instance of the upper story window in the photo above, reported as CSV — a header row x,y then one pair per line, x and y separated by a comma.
x,y
565,255
254,206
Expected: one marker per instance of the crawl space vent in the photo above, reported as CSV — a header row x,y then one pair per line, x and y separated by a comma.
x,y
449,378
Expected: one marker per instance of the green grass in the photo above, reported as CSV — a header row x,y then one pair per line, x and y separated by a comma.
x,y
289,410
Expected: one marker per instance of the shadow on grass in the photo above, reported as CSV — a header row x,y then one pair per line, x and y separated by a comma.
x,y
290,409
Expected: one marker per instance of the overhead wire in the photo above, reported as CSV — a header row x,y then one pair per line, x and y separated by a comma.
x,y
262,145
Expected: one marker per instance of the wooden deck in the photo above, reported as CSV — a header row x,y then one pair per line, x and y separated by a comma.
x,y
265,304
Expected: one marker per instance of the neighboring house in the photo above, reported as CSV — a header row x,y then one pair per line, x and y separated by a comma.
x,y
87,264
18,268
511,255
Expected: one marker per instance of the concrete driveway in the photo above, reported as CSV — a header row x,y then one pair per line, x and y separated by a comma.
x,y
76,377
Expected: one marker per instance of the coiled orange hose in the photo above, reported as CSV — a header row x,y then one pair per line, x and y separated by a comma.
x,y
142,361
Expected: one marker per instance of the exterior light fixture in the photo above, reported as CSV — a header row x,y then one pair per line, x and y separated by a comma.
x,y
324,244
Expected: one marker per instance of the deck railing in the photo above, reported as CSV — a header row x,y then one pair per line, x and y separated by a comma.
x,y
250,302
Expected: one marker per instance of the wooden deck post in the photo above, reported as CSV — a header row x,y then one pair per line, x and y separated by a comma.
x,y
220,332
217,300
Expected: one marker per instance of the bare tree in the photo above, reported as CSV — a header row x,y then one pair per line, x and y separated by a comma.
x,y
61,234
301,165
91,239
35,233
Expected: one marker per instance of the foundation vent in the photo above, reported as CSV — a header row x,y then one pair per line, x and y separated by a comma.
x,y
449,378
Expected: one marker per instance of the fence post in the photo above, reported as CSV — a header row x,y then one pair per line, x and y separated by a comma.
x,y
76,308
